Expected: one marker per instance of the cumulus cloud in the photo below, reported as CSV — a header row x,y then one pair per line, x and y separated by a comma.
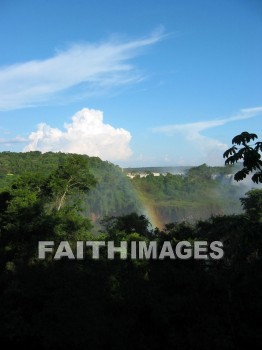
x,y
209,148
83,66
86,134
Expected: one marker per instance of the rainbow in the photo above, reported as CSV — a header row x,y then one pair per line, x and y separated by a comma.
x,y
149,208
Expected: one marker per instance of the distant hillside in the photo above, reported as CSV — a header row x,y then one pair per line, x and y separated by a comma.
x,y
175,170
202,191
161,170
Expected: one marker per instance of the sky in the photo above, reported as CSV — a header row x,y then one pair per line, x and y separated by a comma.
x,y
136,83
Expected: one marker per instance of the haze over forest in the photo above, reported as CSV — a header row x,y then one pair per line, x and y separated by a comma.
x,y
163,195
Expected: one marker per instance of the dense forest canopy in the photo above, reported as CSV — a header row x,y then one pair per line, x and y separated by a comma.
x,y
201,192
98,304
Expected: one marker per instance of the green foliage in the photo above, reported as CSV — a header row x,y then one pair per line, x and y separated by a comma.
x,y
130,223
250,155
112,195
252,204
203,191
122,304
70,178
31,209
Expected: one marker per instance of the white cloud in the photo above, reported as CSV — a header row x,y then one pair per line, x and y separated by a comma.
x,y
193,129
209,149
17,139
101,65
86,134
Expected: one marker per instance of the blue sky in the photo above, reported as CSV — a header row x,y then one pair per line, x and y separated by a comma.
x,y
138,83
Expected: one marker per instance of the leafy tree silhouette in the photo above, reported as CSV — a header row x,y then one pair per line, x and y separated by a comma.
x,y
249,153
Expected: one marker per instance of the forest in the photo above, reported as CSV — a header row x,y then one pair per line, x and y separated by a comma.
x,y
88,304
202,192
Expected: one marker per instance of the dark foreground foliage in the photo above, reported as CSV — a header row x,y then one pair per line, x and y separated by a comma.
x,y
249,154
123,304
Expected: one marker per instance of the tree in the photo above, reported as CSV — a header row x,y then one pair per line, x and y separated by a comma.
x,y
252,204
37,207
131,223
250,154
73,177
